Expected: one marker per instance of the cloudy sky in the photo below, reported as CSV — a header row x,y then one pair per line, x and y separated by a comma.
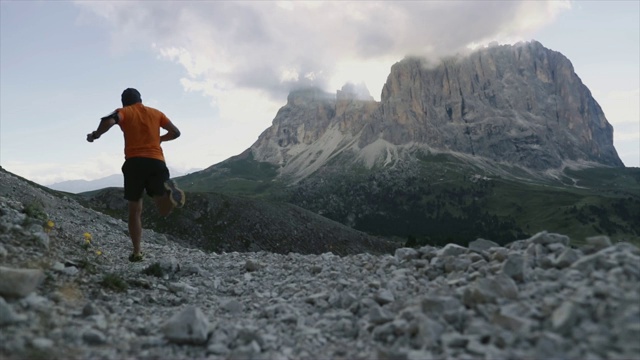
x,y
221,70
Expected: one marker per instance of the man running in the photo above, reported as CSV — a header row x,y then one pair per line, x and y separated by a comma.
x,y
144,167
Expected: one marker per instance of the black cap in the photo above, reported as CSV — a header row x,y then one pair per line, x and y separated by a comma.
x,y
130,96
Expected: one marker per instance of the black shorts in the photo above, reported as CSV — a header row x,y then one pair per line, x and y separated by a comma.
x,y
144,173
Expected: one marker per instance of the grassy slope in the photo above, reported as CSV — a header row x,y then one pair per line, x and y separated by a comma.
x,y
240,175
582,203
218,222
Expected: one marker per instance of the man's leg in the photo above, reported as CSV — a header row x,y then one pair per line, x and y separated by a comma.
x,y
164,204
166,194
135,225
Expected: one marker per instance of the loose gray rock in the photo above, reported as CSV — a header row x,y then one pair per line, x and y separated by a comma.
x,y
514,267
488,290
19,282
42,239
89,310
545,238
404,254
42,343
564,317
378,315
480,245
189,326
7,315
384,296
599,242
566,258
252,266
233,306
453,250
94,337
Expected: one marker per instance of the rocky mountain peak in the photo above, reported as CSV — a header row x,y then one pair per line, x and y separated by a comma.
x,y
308,96
522,105
352,91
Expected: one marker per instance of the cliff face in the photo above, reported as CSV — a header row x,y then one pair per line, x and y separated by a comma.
x,y
522,105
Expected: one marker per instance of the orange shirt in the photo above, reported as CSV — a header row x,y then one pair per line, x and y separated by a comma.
x,y
141,127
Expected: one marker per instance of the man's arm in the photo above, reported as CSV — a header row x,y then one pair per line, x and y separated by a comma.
x,y
172,132
105,124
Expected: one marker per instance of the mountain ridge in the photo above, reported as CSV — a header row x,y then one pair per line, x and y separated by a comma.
x,y
115,180
522,105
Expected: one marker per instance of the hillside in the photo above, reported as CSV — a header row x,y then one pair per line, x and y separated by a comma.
x,y
215,222
440,198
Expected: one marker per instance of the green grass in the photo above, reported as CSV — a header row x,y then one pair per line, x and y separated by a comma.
x,y
113,282
87,265
154,270
577,212
242,176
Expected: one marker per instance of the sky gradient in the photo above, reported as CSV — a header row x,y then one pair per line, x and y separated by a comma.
x,y
221,70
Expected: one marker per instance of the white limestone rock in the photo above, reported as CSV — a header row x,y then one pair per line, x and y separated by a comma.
x,y
404,254
452,250
545,238
189,326
480,245
19,282
514,267
599,242
564,317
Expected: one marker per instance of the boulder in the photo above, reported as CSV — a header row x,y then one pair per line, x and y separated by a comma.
x,y
19,283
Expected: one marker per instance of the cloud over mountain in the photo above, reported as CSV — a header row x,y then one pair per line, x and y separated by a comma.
x,y
273,47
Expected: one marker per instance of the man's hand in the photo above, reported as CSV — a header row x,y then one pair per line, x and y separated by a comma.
x,y
172,132
105,124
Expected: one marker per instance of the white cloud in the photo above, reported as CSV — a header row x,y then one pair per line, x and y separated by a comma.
x,y
246,56
48,173
276,46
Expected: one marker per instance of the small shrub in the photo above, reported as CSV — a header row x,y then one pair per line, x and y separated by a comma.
x,y
411,241
154,270
114,282
35,210
87,265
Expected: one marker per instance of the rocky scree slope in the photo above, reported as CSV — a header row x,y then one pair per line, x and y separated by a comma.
x,y
534,298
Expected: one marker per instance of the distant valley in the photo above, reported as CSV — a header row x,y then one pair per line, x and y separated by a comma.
x,y
115,180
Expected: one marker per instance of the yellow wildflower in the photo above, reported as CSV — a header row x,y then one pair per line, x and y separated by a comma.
x,y
98,252
87,237
48,226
